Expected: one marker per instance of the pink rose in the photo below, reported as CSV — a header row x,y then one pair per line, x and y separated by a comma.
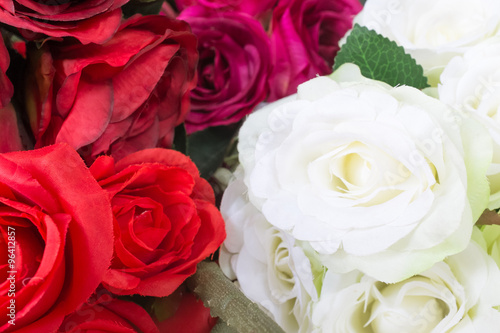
x,y
304,39
117,98
234,65
251,7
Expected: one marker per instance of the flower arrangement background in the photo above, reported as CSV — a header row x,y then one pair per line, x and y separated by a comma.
x,y
139,138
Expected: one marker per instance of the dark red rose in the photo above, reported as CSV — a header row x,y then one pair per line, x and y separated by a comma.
x,y
304,39
56,237
165,220
125,95
105,313
233,69
6,88
183,312
9,132
87,20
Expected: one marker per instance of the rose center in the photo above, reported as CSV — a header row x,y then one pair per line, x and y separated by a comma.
x,y
351,170
395,313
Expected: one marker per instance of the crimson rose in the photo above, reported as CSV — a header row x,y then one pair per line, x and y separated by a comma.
x,y
56,226
165,220
87,20
125,95
9,132
304,39
104,313
233,70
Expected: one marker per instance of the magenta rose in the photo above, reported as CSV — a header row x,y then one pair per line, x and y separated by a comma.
x,y
165,217
104,313
9,132
304,39
55,237
251,7
233,68
87,20
123,96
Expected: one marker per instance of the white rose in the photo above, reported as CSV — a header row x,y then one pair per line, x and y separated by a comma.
x,y
372,177
432,31
471,84
457,295
271,269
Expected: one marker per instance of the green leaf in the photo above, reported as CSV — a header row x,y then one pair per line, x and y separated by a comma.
x,y
143,7
380,59
207,148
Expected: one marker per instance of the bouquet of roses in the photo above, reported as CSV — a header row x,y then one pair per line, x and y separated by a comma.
x,y
359,195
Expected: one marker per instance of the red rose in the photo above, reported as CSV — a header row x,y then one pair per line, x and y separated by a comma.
x,y
107,314
125,95
233,69
165,220
56,235
304,39
89,21
6,89
187,313
9,132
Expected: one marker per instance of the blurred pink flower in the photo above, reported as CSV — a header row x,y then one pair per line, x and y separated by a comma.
x,y
233,70
251,7
304,39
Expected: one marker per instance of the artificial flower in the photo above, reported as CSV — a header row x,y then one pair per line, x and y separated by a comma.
x,y
9,132
234,65
56,226
87,20
471,85
272,269
251,7
304,40
165,220
457,295
432,31
373,177
125,95
105,313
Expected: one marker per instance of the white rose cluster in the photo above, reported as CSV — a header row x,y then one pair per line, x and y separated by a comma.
x,y
371,177
458,294
432,31
471,85
351,206
271,268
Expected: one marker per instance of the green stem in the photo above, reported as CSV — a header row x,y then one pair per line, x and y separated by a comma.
x,y
227,302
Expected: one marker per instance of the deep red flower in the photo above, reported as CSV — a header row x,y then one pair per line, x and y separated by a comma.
x,y
55,237
9,132
186,313
125,95
87,20
165,220
104,313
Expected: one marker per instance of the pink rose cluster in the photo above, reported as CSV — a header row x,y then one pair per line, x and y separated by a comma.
x,y
253,51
